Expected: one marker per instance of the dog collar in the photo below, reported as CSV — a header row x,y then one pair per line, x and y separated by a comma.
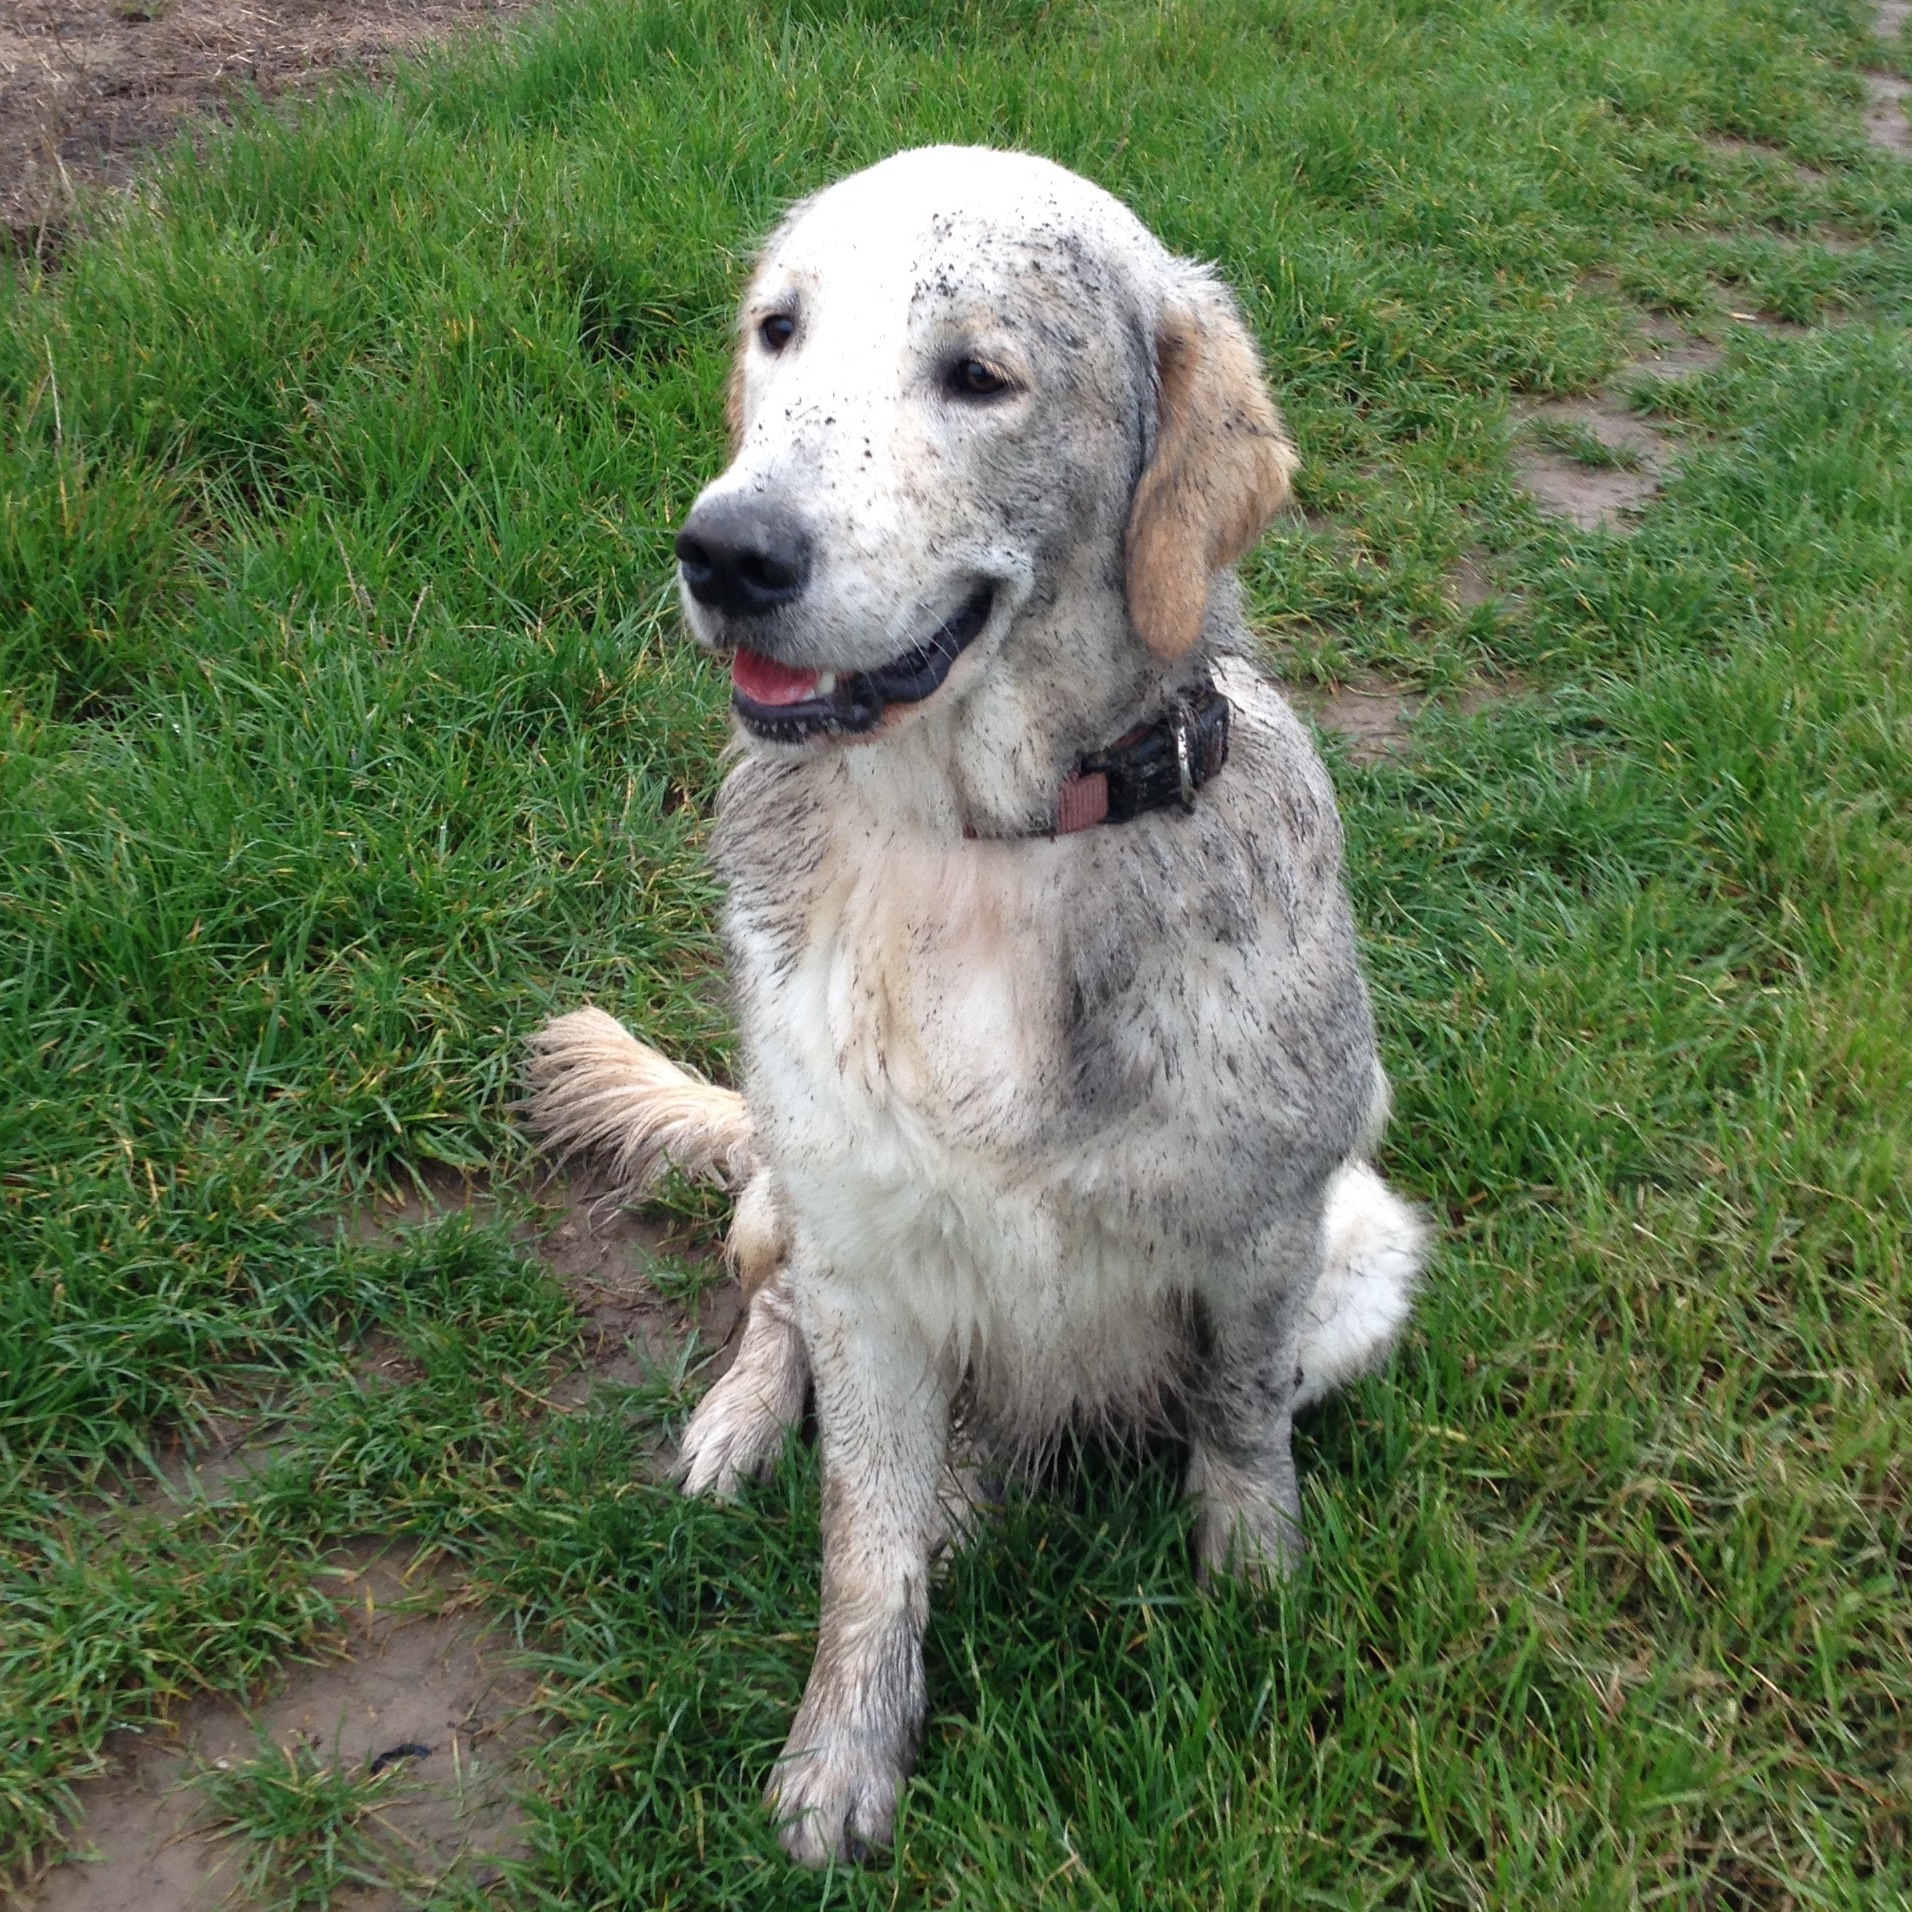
x,y
1150,767
1147,768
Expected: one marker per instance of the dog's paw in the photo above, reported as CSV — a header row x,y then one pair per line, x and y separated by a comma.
x,y
1256,1547
735,1435
738,1429
834,1800
1243,1530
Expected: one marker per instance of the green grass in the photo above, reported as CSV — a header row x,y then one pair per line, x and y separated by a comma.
x,y
346,732
303,1827
1583,445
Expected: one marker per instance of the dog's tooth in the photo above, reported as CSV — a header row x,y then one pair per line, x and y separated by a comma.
x,y
826,684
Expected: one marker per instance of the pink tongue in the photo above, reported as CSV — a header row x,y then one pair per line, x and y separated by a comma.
x,y
764,681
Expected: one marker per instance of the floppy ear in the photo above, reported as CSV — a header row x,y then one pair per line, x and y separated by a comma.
x,y
1220,470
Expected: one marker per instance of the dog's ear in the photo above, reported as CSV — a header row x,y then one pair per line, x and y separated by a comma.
x,y
1220,469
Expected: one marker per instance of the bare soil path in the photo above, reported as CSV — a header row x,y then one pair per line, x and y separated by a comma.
x,y
90,87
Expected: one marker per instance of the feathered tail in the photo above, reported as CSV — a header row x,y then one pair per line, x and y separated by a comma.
x,y
1372,1248
594,1088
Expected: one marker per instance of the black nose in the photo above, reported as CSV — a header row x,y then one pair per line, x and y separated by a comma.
x,y
743,557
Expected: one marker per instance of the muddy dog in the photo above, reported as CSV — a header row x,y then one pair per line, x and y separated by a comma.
x,y
1059,1079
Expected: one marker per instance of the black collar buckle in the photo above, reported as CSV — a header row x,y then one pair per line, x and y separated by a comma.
x,y
1166,762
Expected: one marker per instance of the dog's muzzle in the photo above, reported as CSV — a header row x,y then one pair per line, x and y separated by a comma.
x,y
742,558
785,704
747,559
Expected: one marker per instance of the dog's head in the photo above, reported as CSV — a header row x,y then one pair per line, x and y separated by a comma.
x,y
991,442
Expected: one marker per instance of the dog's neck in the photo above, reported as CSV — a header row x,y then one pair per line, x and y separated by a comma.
x,y
994,762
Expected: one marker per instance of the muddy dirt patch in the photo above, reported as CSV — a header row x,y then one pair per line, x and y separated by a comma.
x,y
88,87
643,1284
1889,98
643,1290
1594,459
416,1681
1588,461
1886,124
1374,716
1670,351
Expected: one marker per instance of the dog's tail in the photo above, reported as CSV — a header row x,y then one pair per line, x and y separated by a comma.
x,y
1373,1245
593,1087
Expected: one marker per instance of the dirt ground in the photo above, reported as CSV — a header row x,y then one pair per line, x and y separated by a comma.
x,y
415,1668
413,1662
88,87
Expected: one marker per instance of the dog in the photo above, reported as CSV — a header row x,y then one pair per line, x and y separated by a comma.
x,y
1059,1077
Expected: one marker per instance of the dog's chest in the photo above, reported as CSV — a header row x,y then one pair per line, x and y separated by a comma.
x,y
912,1000
910,1070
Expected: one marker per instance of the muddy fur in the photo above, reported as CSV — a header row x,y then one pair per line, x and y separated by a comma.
x,y
1034,1129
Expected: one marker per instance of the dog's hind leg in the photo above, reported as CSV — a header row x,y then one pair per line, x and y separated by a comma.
x,y
1373,1245
738,1430
1241,1470
1267,1359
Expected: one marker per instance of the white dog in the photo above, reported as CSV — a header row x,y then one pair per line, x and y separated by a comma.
x,y
1059,1076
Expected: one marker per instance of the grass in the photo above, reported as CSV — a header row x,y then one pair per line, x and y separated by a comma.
x,y
305,1827
1583,445
345,733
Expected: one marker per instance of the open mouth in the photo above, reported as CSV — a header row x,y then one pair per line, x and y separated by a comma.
x,y
786,705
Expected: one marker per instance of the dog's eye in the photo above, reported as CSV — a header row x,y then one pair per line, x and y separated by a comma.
x,y
975,378
777,331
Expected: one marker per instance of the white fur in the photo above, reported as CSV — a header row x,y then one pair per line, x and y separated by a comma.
x,y
1373,1246
594,1086
738,1429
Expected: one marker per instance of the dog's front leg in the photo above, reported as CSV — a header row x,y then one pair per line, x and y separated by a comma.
x,y
1241,1471
883,1415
